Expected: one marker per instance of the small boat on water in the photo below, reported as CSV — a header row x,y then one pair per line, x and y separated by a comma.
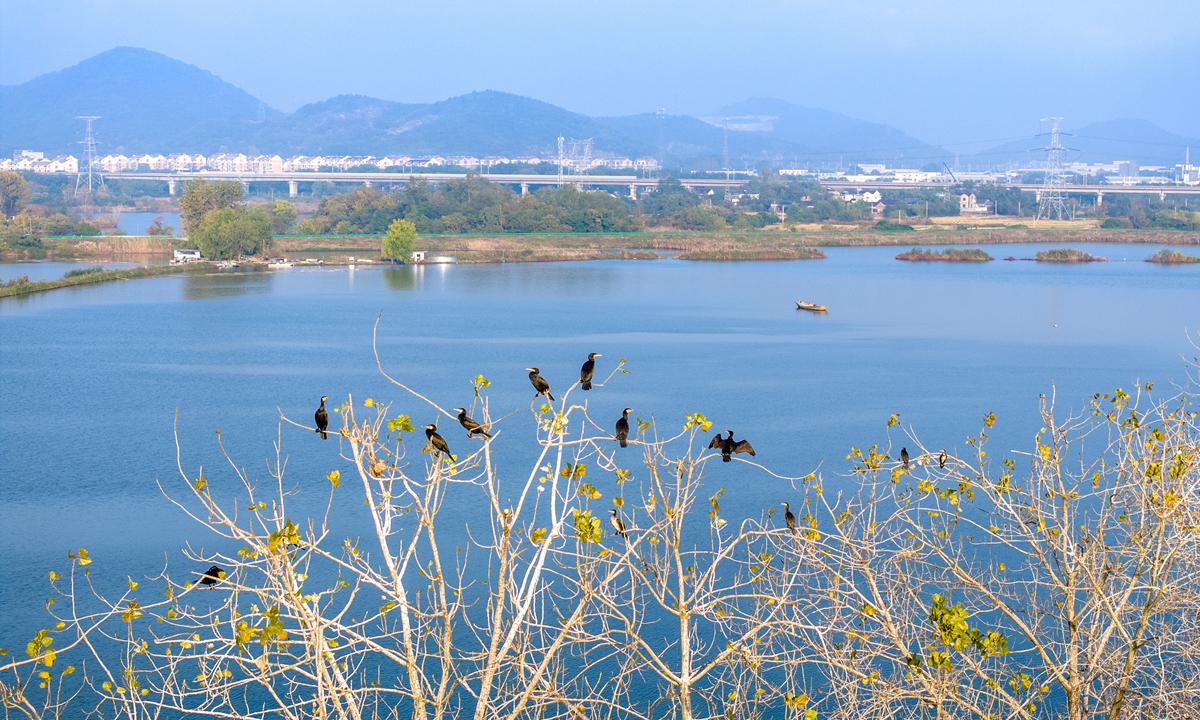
x,y
811,307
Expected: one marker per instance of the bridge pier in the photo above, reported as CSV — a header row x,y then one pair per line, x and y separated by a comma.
x,y
245,186
171,187
633,192
293,188
1162,196
1099,199
524,188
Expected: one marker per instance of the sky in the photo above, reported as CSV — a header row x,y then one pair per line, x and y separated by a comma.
x,y
950,72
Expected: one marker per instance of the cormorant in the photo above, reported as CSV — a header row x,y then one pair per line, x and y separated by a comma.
x,y
618,524
473,428
904,457
789,518
623,427
322,419
942,459
539,383
212,576
588,369
437,441
728,446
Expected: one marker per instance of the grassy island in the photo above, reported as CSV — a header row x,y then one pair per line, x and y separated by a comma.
x,y
947,255
1171,257
1068,255
88,276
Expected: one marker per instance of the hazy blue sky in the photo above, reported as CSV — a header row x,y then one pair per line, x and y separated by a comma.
x,y
947,71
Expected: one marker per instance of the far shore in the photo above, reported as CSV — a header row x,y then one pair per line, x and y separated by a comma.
x,y
501,247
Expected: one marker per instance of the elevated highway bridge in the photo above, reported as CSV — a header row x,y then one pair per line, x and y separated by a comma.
x,y
632,182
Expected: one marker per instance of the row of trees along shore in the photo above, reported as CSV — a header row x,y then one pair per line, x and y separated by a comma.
x,y
1058,582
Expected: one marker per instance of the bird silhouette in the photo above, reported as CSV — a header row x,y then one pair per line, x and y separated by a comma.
x,y
728,446
623,427
437,441
539,383
588,369
473,428
322,419
212,576
942,459
618,524
904,457
789,518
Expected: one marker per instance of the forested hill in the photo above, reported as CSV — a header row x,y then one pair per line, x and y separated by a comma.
x,y
149,102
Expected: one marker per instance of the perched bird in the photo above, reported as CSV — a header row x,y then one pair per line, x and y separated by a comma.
x,y
617,523
539,383
942,459
437,441
212,576
473,428
588,369
904,457
623,427
728,446
789,518
322,419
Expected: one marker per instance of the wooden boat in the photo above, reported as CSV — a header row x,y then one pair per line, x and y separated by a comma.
x,y
811,307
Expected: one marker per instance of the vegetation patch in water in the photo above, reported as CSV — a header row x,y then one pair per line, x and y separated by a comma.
x,y
87,276
1171,257
947,255
1068,255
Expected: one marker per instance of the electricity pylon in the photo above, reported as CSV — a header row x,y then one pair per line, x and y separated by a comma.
x,y
91,163
1053,195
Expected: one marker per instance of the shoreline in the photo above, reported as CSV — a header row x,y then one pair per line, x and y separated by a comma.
x,y
566,247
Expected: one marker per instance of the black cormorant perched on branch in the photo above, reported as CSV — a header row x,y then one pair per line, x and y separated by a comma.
x,y
322,419
539,383
473,428
623,427
437,441
942,459
904,457
728,446
212,576
789,518
588,370
618,524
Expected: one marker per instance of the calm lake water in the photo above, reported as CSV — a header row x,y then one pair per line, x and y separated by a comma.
x,y
92,376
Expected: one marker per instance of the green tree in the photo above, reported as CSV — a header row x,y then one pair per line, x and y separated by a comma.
x,y
14,193
400,239
283,216
200,198
232,232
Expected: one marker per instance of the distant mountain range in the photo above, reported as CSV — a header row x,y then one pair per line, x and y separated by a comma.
x,y
151,103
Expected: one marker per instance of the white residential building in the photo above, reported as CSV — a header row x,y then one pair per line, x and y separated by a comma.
x,y
969,205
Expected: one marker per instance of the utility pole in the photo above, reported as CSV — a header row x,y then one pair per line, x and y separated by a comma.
x,y
560,159
1053,193
91,163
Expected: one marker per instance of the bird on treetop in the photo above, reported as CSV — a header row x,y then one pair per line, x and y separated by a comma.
x,y
588,370
789,518
322,419
437,441
904,457
539,383
942,459
728,446
623,427
212,576
617,523
473,428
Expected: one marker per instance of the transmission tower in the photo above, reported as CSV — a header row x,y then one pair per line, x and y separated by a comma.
x,y
560,159
91,163
661,114
1053,199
